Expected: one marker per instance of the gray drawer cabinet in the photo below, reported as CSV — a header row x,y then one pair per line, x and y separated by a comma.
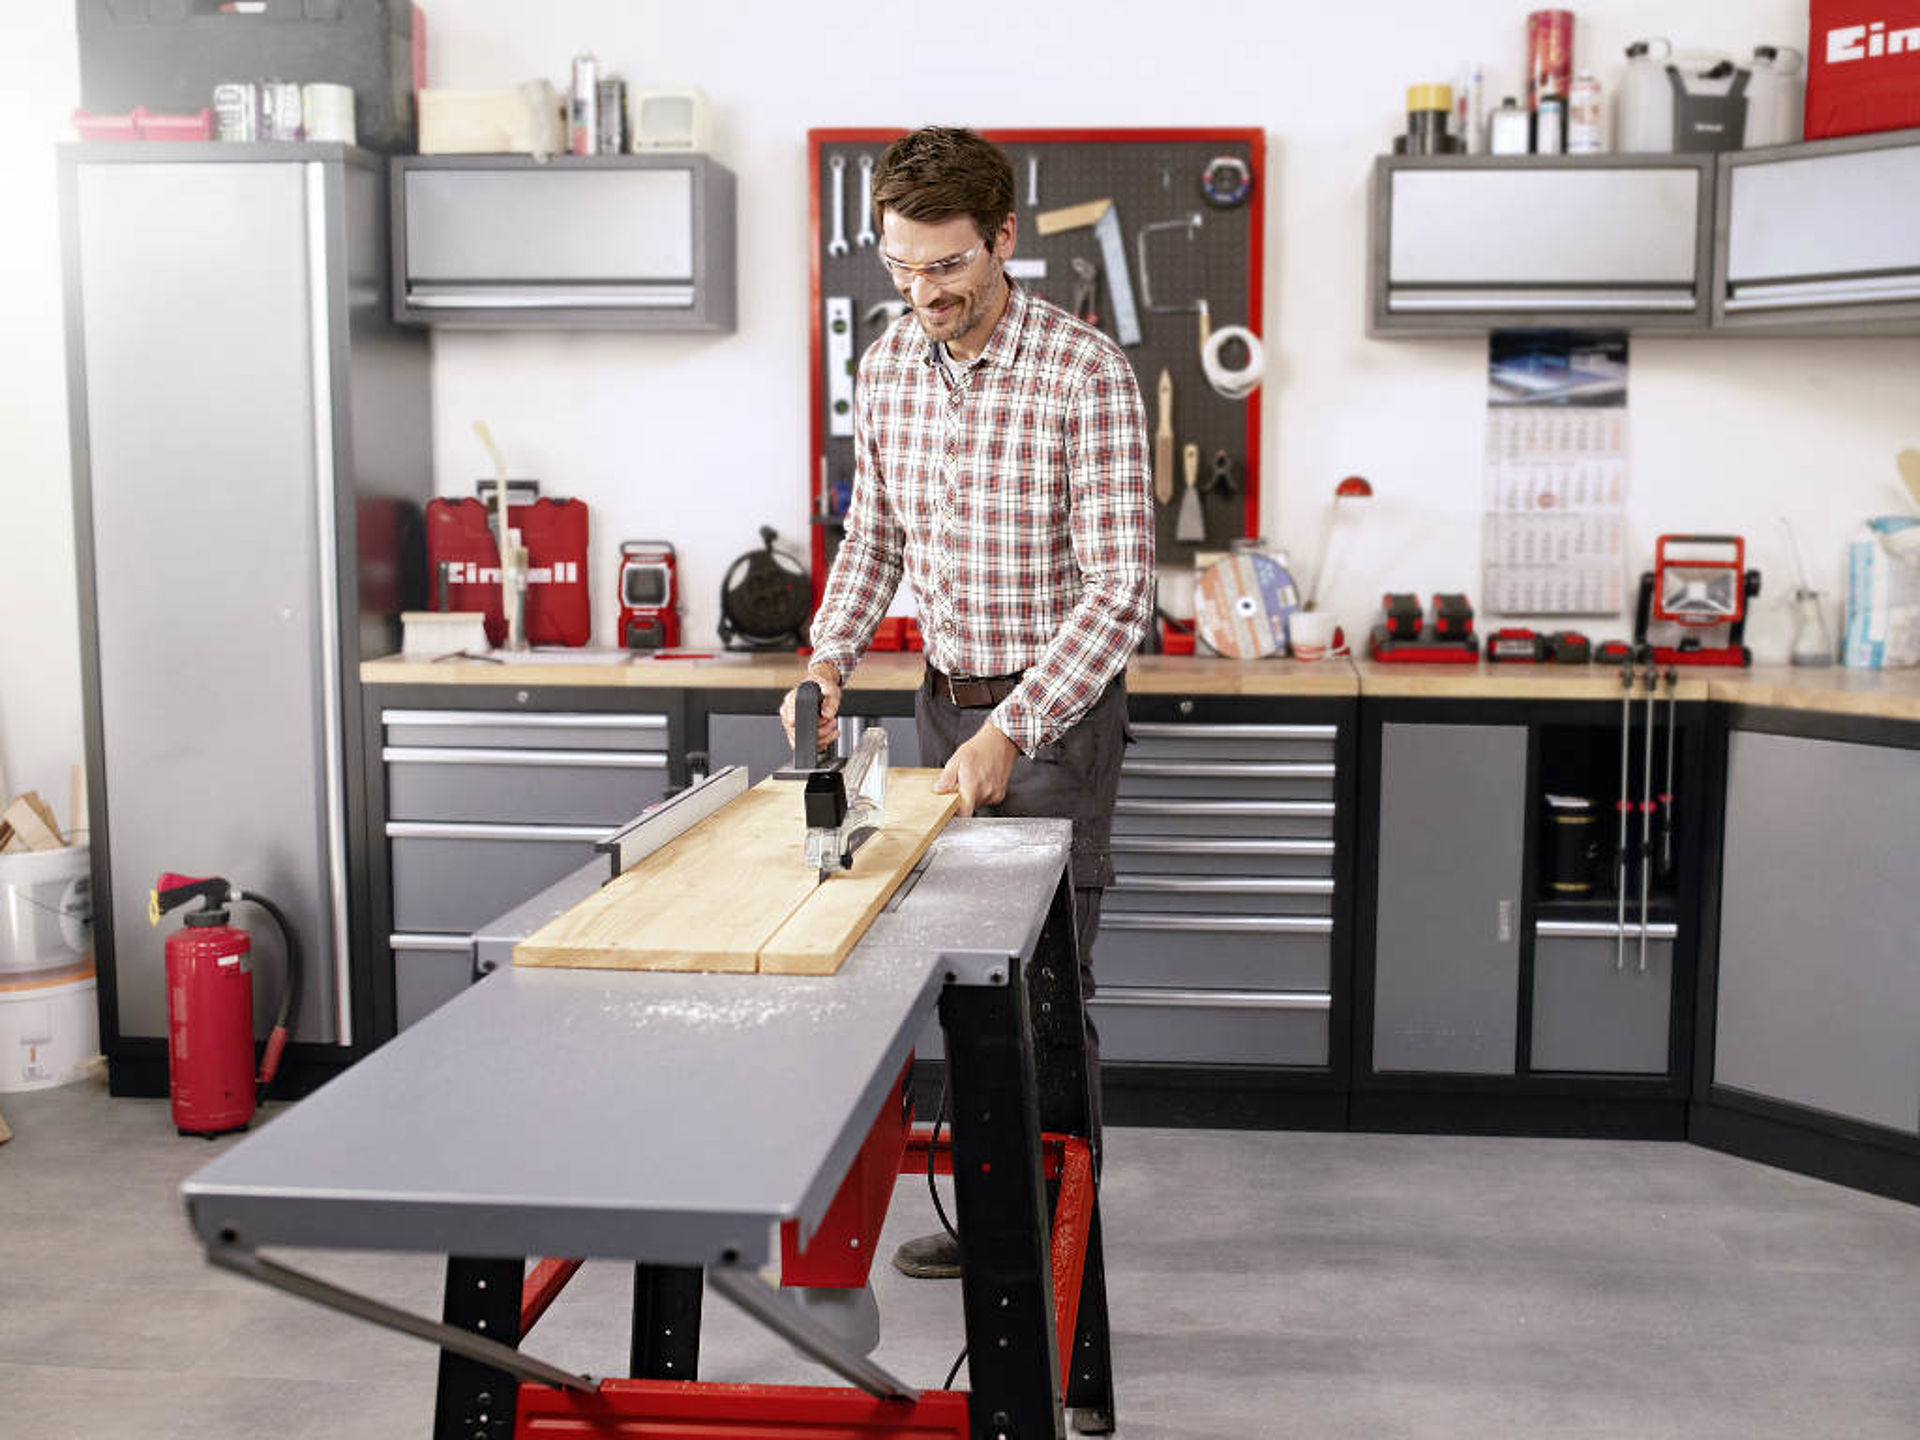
x,y
1216,937
485,809
1600,1007
1818,997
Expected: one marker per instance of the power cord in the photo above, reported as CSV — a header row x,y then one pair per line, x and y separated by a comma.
x,y
939,1118
958,1361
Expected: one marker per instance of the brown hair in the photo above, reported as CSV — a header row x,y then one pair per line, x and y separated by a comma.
x,y
938,172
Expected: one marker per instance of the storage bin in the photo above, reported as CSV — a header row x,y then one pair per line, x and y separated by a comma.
x,y
49,1027
46,911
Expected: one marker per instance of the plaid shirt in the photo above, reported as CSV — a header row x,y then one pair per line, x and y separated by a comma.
x,y
1016,499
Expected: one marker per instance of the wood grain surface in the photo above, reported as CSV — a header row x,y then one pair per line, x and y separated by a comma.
x,y
734,893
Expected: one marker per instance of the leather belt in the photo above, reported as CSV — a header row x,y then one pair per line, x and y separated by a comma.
x,y
972,692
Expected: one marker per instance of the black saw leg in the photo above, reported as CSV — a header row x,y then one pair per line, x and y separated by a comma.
x,y
1060,1057
666,1322
1006,1284
476,1401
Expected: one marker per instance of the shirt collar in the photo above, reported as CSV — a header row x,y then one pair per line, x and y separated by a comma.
x,y
1002,346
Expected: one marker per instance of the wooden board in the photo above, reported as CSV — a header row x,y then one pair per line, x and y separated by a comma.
x,y
734,892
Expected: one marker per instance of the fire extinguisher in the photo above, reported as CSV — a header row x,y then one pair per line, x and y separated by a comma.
x,y
210,1005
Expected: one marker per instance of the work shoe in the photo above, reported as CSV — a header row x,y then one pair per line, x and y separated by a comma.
x,y
931,1257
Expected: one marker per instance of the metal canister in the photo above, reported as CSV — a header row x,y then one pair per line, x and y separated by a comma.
x,y
236,108
583,130
612,103
1586,117
283,110
1549,55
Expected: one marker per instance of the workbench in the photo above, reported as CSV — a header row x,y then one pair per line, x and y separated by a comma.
x,y
678,1120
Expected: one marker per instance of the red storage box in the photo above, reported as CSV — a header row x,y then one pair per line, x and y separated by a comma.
x,y
554,533
1863,66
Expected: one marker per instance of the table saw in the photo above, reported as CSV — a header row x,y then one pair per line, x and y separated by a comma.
x,y
682,1122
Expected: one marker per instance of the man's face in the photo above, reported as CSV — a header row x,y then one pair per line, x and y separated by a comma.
x,y
958,308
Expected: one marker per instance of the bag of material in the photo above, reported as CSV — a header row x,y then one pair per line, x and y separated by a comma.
x,y
1883,595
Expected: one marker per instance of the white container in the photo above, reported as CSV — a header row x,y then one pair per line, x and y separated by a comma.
x,y
46,911
1508,130
1586,117
49,1028
1776,97
1646,99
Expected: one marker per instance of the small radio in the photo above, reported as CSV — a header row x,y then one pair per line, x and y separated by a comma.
x,y
649,596
671,120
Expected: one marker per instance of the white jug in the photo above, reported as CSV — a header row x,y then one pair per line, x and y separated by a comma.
x,y
1776,97
1646,103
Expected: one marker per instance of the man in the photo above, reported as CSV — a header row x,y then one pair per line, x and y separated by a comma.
x,y
1001,467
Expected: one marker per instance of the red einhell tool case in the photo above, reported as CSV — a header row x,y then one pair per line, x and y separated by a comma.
x,y
460,537
1863,66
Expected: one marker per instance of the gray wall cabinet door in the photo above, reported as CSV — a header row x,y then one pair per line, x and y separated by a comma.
x,y
1447,933
1820,846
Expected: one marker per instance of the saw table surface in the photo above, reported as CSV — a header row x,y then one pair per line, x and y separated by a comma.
x,y
673,1118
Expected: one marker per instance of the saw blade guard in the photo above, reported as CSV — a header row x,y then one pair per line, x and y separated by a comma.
x,y
865,778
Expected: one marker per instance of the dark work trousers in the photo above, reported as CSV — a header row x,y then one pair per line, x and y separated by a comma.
x,y
1073,778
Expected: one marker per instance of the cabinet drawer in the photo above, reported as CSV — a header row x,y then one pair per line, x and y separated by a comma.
x,y
1225,819
1226,780
1153,741
1217,895
467,729
454,878
1594,1008
428,971
1215,952
564,787
1186,855
1212,1027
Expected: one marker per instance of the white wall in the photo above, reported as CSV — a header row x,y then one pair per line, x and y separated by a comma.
x,y
700,440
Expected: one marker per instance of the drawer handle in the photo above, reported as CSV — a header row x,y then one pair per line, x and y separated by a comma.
x,y
1223,885
543,720
1246,924
1599,930
1137,845
481,755
476,830
1156,730
1315,809
1232,769
1131,997
460,944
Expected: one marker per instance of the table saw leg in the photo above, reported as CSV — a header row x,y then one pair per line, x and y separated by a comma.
x,y
476,1401
1007,1286
666,1322
1060,1060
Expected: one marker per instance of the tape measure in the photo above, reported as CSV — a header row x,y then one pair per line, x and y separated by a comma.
x,y
1241,605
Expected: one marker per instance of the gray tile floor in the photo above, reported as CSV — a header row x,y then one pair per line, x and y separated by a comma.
x,y
1263,1285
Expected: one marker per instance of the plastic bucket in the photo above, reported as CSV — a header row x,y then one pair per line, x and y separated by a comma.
x,y
46,910
49,1027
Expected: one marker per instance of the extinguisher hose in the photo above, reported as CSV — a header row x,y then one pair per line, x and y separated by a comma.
x,y
289,1011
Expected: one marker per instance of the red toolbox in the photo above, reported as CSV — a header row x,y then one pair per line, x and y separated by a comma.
x,y
554,533
1863,66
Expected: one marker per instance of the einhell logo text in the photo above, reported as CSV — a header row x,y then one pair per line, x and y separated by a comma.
x,y
1870,41
466,572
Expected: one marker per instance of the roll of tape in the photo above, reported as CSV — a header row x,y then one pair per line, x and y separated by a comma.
x,y
1234,384
328,112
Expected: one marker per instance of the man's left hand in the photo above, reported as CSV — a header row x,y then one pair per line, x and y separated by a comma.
x,y
979,770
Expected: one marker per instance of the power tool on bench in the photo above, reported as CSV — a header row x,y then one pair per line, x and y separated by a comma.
x,y
846,797
1449,639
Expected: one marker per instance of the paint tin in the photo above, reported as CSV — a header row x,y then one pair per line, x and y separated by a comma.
x,y
1549,55
611,102
1586,117
236,108
328,112
283,110
583,128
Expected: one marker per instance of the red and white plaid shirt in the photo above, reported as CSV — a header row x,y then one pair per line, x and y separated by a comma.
x,y
1016,499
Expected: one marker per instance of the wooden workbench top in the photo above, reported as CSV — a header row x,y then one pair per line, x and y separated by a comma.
x,y
1884,694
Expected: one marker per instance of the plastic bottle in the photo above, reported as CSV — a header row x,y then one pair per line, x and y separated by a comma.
x,y
1586,117
1776,97
1646,99
1507,129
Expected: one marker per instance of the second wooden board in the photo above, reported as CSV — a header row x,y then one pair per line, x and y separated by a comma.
x,y
734,893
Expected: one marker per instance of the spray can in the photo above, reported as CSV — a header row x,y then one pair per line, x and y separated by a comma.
x,y
1586,117
584,107
1471,112
1550,126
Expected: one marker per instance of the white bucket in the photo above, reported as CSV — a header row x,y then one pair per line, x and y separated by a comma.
x,y
46,910
49,1028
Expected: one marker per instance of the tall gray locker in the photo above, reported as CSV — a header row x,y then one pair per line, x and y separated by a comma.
x,y
251,453
1446,981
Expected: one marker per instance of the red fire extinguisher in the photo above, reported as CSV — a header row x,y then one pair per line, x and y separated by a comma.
x,y
210,1005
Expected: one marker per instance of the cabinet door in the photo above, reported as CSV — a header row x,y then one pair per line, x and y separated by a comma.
x,y
1819,976
1446,978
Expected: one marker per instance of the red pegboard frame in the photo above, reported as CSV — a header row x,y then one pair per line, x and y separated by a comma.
x,y
1255,139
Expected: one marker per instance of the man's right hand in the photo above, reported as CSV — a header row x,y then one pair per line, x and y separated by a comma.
x,y
828,679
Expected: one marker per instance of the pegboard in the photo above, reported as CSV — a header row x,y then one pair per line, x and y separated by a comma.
x,y
1153,178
